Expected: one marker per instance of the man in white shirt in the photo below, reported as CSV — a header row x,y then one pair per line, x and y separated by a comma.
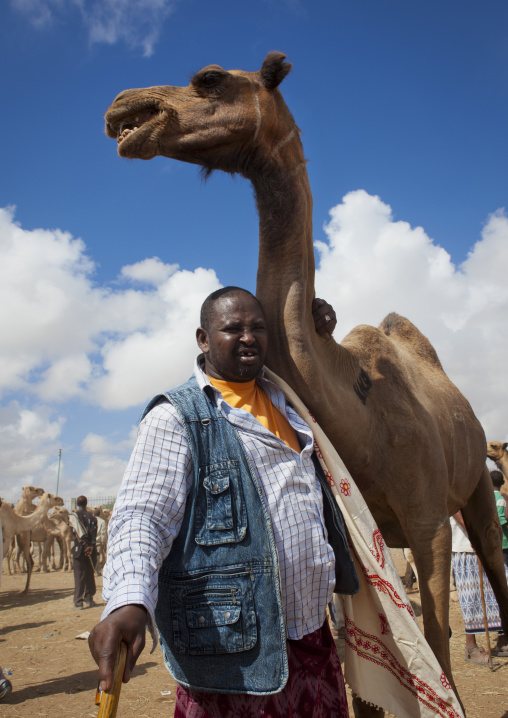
x,y
152,507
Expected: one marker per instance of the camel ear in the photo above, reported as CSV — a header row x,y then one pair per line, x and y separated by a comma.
x,y
505,445
274,70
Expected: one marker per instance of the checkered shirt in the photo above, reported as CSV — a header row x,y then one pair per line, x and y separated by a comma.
x,y
151,503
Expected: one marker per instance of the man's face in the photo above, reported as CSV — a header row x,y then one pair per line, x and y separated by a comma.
x,y
235,343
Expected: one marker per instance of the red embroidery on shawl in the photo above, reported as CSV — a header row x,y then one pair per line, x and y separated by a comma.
x,y
384,587
444,680
315,422
379,545
329,477
345,487
385,627
374,650
318,451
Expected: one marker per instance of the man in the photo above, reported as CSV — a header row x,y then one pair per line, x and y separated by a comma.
x,y
218,537
502,510
84,554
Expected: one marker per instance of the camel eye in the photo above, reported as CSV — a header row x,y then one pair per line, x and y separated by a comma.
x,y
211,79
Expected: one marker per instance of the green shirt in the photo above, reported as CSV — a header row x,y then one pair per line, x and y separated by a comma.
x,y
501,507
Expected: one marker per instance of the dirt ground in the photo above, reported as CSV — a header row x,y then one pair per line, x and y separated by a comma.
x,y
53,673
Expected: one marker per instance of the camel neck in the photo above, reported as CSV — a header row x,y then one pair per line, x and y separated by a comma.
x,y
286,251
286,274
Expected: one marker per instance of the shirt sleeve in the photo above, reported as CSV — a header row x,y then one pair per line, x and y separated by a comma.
x,y
148,513
501,510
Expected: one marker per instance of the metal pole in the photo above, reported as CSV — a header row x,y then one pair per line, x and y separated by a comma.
x,y
58,477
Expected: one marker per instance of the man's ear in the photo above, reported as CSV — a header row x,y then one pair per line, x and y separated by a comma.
x,y
202,340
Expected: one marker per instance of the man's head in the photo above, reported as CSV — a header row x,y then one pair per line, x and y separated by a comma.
x,y
497,479
232,335
81,502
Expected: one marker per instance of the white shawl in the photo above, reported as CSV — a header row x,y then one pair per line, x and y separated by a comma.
x,y
388,662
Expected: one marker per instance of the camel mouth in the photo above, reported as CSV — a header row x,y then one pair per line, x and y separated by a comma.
x,y
122,125
133,123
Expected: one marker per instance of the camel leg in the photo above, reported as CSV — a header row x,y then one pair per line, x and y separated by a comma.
x,y
24,543
432,550
482,523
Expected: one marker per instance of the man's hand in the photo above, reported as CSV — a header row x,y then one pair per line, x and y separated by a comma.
x,y
324,317
128,624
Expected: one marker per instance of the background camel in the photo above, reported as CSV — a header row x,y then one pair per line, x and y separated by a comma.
x,y
13,524
497,451
36,533
24,507
407,435
57,527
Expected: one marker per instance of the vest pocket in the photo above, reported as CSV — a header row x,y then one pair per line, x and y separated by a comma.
x,y
212,614
221,515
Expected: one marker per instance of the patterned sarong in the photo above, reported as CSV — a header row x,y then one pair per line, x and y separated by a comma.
x,y
467,581
315,688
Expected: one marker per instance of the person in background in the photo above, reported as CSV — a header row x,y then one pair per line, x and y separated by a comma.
x,y
102,541
84,554
502,510
467,580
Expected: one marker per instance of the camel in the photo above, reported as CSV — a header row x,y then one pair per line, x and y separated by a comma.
x,y
13,524
407,435
497,452
57,527
25,507
37,533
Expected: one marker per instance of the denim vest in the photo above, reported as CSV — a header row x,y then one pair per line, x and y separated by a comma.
x,y
219,611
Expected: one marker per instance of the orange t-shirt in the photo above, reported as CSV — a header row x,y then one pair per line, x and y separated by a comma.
x,y
249,396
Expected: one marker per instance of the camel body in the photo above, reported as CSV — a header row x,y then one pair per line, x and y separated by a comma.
x,y
36,533
57,527
409,438
14,524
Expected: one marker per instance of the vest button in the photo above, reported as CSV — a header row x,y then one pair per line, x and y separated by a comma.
x,y
227,615
216,487
201,619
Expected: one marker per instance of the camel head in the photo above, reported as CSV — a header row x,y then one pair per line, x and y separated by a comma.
x,y
496,450
30,492
60,513
49,501
228,120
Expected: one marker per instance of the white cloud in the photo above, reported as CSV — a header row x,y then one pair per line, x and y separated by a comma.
x,y
107,462
372,265
28,449
65,337
138,23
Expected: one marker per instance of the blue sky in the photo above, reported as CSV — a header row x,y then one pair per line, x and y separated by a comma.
x,y
403,109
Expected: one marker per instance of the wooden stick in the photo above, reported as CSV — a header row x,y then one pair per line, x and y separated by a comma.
x,y
109,700
485,620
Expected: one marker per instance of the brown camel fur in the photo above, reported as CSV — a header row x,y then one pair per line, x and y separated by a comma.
x,y
13,524
57,527
37,535
25,507
497,451
408,436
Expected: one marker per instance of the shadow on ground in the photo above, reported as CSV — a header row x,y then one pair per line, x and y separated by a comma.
x,y
23,627
13,599
75,683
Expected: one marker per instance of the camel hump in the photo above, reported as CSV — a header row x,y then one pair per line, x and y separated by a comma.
x,y
400,328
